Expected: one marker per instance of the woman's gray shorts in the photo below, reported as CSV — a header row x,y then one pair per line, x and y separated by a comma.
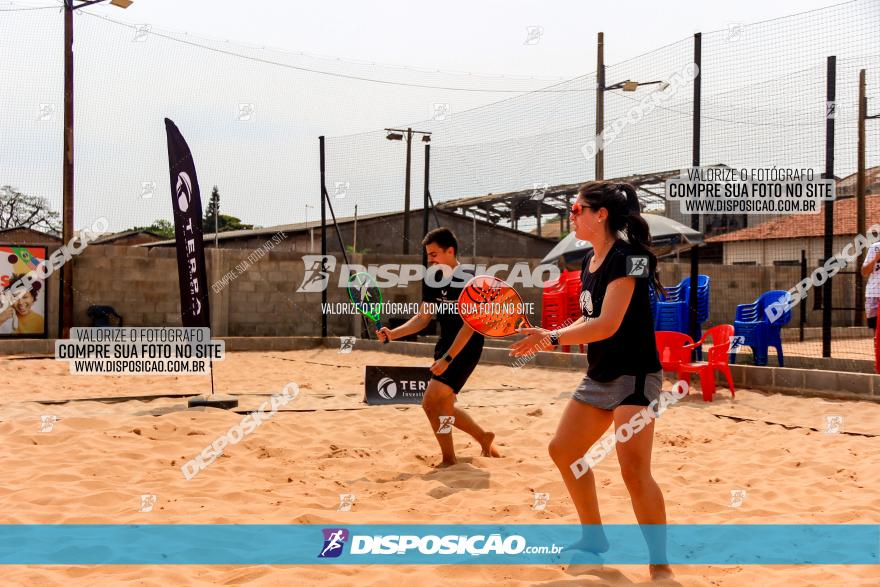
x,y
626,390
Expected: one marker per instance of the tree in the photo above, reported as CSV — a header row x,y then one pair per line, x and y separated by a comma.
x,y
18,210
224,222
160,226
228,223
212,207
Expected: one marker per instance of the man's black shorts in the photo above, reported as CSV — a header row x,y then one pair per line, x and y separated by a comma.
x,y
461,367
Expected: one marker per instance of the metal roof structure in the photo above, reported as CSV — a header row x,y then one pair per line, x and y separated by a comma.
x,y
548,201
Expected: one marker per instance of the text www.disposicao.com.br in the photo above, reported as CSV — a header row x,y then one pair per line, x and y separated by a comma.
x,y
154,366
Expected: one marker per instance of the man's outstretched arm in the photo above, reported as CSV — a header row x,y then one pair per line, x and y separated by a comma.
x,y
415,324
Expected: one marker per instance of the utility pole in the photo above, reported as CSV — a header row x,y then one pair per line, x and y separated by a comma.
x,y
66,314
67,174
600,108
398,135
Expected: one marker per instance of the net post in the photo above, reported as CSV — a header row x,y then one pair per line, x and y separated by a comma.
x,y
803,306
831,93
427,196
861,227
323,233
693,326
600,107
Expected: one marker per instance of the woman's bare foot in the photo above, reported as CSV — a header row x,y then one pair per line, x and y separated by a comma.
x,y
661,572
447,463
488,449
595,544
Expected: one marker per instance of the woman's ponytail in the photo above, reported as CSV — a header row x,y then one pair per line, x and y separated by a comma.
x,y
638,233
625,215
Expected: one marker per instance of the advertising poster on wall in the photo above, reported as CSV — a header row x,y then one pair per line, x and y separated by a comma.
x,y
23,316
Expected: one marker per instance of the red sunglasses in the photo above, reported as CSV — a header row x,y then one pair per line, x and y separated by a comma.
x,y
577,208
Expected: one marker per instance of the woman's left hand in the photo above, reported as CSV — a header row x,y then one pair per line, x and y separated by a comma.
x,y
439,366
537,339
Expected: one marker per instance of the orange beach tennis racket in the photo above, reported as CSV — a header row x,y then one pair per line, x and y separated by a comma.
x,y
492,307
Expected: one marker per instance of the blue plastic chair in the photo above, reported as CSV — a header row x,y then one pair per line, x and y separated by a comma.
x,y
758,332
703,288
672,312
653,293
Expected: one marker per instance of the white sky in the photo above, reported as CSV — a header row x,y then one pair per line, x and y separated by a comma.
x,y
479,36
266,168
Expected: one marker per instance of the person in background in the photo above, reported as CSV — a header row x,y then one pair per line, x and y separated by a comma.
x,y
871,270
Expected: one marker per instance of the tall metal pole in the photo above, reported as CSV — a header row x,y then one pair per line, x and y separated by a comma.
x,y
427,200
861,219
695,218
66,317
323,234
409,135
600,108
830,110
803,316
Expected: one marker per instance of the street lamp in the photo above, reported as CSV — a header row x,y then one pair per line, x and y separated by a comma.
x,y
631,86
395,134
66,314
601,88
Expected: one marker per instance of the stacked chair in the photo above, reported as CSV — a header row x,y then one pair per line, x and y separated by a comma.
x,y
671,308
758,331
560,303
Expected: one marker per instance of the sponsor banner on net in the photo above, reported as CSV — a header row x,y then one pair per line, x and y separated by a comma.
x,y
389,384
744,190
139,351
436,544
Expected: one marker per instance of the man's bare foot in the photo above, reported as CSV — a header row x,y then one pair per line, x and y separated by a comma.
x,y
447,463
661,572
488,449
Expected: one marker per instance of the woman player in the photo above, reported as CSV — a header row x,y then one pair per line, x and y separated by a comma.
x,y
624,373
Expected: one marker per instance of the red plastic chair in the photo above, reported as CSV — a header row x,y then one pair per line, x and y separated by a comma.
x,y
719,360
674,349
554,305
553,310
572,283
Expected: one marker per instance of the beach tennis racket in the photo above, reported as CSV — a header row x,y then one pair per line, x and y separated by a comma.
x,y
366,297
492,307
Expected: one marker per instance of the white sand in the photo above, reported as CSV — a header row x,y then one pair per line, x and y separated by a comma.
x,y
100,458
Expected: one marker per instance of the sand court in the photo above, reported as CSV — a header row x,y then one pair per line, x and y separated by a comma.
x,y
100,458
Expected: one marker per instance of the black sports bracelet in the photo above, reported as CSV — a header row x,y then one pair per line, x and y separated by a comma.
x,y
448,358
554,338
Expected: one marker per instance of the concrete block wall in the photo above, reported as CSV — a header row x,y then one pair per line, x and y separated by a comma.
x,y
259,298
142,285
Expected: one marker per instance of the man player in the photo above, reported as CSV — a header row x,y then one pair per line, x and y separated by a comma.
x,y
456,353
871,270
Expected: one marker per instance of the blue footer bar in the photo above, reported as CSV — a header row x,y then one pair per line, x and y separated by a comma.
x,y
483,544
